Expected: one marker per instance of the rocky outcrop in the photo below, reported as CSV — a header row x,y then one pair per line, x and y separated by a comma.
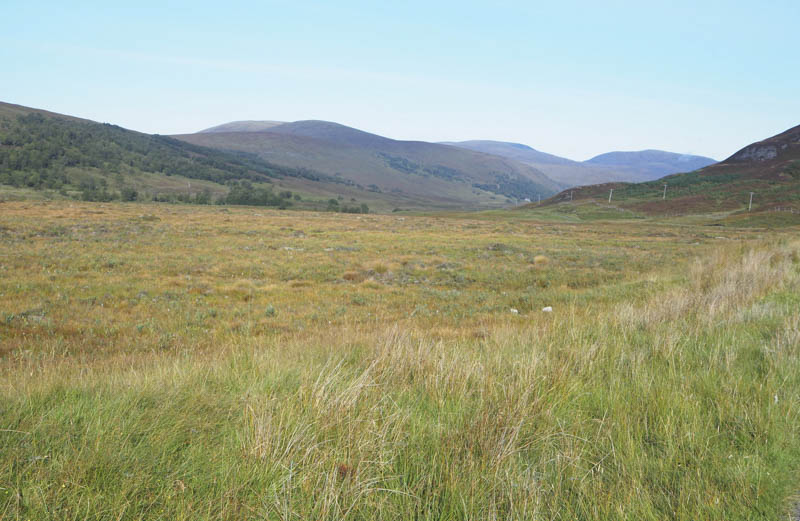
x,y
757,153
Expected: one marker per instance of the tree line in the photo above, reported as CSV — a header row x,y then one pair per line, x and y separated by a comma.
x,y
79,157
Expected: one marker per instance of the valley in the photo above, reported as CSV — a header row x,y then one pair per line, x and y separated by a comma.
x,y
198,362
381,261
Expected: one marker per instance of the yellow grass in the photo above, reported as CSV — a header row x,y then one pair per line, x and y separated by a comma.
x,y
203,363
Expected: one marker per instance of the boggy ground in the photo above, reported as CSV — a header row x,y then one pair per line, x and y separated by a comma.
x,y
176,362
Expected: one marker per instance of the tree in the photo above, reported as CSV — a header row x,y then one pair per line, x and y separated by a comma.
x,y
128,194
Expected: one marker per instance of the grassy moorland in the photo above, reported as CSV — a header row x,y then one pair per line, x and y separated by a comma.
x,y
180,362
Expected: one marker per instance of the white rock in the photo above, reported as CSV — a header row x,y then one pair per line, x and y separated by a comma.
x,y
514,311
548,309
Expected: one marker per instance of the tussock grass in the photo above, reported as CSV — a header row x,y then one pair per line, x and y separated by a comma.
x,y
670,389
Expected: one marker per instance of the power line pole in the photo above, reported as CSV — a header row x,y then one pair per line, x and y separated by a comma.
x,y
570,195
750,206
665,192
609,195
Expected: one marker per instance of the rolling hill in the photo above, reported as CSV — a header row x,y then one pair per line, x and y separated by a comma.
x,y
652,164
41,150
53,154
244,126
516,151
640,166
411,171
769,169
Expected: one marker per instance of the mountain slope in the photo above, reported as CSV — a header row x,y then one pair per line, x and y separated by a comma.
x,y
43,150
44,154
10,111
442,174
769,169
615,166
771,152
560,169
333,132
516,151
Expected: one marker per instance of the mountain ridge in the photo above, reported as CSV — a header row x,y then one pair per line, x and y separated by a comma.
x,y
73,157
408,168
633,166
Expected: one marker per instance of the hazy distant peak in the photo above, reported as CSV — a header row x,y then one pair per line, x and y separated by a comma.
x,y
640,165
656,163
637,156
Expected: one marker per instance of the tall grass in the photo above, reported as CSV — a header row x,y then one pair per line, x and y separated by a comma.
x,y
678,403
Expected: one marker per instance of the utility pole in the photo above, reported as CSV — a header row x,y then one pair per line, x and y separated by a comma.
x,y
610,194
750,206
538,198
665,192
570,195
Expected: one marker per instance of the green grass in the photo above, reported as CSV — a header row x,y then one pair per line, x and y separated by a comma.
x,y
176,362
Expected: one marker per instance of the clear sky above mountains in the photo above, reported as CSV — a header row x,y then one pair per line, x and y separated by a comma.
x,y
570,78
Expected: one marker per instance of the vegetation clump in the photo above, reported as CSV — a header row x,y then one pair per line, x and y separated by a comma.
x,y
36,152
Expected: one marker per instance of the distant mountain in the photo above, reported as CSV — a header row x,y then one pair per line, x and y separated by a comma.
x,y
325,164
334,133
769,169
560,169
614,166
652,163
244,126
411,172
516,151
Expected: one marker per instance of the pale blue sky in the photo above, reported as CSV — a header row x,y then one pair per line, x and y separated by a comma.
x,y
569,78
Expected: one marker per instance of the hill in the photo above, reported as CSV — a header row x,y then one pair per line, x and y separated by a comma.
x,y
516,151
412,171
614,166
41,150
244,126
769,169
560,169
57,155
651,163
11,111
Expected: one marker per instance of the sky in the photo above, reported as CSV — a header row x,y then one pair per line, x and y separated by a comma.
x,y
570,78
